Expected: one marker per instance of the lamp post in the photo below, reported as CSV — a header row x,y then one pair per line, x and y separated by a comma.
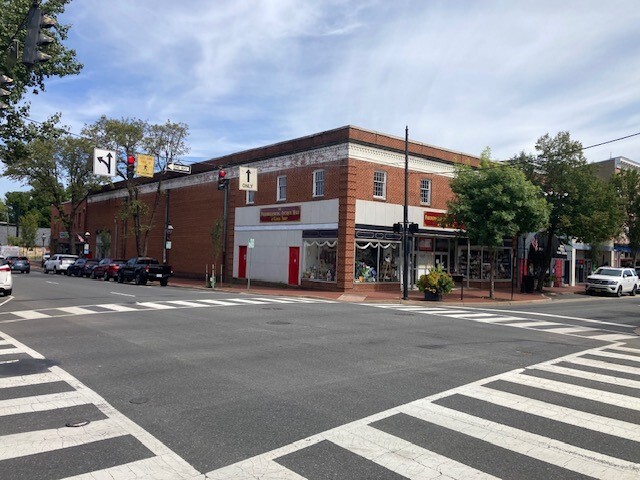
x,y
167,241
87,235
43,239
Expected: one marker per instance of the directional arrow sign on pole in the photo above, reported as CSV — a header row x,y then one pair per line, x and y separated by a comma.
x,y
248,179
104,162
178,167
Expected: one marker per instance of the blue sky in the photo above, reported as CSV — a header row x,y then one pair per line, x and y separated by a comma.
x,y
462,75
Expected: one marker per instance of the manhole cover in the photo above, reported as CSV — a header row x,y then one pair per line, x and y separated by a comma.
x,y
77,423
139,400
278,322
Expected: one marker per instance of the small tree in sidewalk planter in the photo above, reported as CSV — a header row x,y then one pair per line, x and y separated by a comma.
x,y
435,284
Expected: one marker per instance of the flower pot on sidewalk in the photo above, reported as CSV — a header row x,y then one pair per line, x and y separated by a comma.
x,y
432,296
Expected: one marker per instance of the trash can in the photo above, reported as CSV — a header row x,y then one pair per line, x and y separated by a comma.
x,y
529,283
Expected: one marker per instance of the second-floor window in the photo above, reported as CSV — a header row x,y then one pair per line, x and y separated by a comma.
x,y
425,191
380,185
281,188
318,183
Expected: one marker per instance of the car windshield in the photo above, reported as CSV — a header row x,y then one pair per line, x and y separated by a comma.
x,y
610,272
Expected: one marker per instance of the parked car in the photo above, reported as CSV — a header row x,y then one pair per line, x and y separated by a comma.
x,y
89,265
6,281
45,257
21,264
59,262
11,258
144,269
78,267
107,268
613,280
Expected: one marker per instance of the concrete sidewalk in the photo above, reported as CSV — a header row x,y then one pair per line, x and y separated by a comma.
x,y
468,296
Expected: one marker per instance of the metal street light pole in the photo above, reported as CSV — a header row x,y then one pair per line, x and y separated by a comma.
x,y
43,239
405,222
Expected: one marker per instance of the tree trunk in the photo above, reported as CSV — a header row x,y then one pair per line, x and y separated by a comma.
x,y
492,261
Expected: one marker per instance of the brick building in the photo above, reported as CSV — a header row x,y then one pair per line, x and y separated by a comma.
x,y
322,216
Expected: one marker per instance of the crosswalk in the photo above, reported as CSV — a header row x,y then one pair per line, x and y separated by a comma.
x,y
574,417
581,327
21,315
49,417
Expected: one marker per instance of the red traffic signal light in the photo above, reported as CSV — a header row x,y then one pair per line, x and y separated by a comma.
x,y
223,181
131,166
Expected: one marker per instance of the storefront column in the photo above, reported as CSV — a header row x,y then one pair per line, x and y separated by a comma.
x,y
347,227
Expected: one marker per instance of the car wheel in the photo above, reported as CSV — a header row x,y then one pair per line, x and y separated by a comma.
x,y
164,282
619,291
120,278
105,277
28,271
8,292
634,291
140,280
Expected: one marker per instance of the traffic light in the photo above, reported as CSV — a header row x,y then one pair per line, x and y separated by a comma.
x,y
223,181
4,82
34,39
397,228
131,166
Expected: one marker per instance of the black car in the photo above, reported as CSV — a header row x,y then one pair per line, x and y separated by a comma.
x,y
76,268
89,265
20,264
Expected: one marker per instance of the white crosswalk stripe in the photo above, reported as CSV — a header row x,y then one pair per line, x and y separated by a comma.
x,y
549,324
399,455
144,306
163,464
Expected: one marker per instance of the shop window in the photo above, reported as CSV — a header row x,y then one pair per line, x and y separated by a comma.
x,y
476,262
318,183
251,197
425,192
377,262
320,260
281,188
380,185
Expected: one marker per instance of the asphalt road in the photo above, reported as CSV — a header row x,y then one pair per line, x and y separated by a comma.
x,y
237,386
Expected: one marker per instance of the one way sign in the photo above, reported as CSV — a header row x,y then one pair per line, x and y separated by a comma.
x,y
104,162
248,179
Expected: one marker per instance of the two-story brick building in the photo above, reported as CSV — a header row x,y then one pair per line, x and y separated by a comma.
x,y
322,216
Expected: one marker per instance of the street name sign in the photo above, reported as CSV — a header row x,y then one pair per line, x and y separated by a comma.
x,y
104,162
178,167
248,179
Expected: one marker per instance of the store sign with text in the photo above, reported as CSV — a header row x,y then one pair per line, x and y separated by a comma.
x,y
280,214
432,219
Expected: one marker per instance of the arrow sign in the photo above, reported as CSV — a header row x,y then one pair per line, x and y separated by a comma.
x,y
104,162
178,167
248,179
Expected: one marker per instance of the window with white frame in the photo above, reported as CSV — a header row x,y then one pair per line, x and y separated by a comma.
x,y
282,188
425,191
251,197
318,183
380,185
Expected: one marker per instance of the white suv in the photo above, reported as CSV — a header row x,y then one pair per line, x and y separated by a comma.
x,y
612,280
59,263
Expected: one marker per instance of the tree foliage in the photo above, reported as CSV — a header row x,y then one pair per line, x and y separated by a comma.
x,y
582,206
495,202
627,185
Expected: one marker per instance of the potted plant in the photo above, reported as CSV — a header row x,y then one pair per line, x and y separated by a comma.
x,y
436,283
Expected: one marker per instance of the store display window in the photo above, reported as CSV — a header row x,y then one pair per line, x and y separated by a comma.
x,y
377,262
320,260
474,263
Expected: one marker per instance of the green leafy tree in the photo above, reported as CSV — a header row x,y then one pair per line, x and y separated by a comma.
x,y
15,132
581,204
494,202
29,229
627,185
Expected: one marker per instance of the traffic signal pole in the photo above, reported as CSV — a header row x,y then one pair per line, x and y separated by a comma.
x,y
405,222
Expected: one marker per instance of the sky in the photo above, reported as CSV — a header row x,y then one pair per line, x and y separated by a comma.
x,y
461,74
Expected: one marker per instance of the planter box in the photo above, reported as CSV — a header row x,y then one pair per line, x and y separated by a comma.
x,y
433,297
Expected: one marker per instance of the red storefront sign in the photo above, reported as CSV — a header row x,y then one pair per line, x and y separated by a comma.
x,y
432,219
280,214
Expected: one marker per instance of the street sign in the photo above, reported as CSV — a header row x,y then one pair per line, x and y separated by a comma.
x,y
178,167
104,162
144,165
248,179
251,243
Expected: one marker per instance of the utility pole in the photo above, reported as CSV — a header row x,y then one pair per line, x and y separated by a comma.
x,y
405,221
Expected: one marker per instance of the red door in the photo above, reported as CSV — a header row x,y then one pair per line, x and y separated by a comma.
x,y
242,262
294,255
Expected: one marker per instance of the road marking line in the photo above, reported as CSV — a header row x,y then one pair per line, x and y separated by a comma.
x,y
222,303
601,396
184,303
532,445
249,301
156,306
33,379
597,377
622,356
606,365
252,469
30,314
76,310
117,308
40,403
9,351
613,337
123,294
598,423
148,469
565,330
401,456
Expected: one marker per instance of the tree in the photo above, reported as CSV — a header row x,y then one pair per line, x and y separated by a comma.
x,y
14,132
578,199
61,169
492,203
128,137
627,185
29,229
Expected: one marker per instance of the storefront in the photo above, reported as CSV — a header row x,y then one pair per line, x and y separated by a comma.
x,y
320,257
378,257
